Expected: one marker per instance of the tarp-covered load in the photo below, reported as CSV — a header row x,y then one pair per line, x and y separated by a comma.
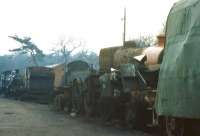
x,y
179,79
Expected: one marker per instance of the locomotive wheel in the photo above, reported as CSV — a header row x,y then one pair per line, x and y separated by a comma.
x,y
135,118
180,127
136,115
130,118
12,92
106,109
56,103
174,127
87,105
77,98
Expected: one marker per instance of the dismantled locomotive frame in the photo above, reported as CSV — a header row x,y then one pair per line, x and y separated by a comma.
x,y
122,91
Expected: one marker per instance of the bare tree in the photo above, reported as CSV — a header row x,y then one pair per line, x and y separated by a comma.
x,y
88,56
145,41
65,48
83,54
28,47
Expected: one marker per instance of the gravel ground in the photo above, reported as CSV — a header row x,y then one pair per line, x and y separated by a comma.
x,y
30,119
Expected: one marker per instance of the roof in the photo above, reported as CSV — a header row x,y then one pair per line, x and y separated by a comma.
x,y
54,65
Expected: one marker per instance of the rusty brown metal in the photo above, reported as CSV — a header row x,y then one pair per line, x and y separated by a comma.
x,y
106,58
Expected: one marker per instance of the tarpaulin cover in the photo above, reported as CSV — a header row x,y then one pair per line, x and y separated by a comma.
x,y
179,79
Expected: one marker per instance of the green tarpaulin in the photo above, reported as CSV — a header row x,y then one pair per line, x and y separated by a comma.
x,y
179,78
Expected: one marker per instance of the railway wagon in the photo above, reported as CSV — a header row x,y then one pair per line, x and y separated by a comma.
x,y
177,102
36,84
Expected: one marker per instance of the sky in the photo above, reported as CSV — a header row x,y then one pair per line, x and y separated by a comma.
x,y
96,22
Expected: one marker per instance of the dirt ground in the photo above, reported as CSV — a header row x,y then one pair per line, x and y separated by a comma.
x,y
30,119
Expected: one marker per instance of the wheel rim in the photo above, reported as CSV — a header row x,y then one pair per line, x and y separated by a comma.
x,y
76,97
130,118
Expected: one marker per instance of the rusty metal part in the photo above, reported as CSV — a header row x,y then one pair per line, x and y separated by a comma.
x,y
113,57
125,55
150,97
174,127
106,58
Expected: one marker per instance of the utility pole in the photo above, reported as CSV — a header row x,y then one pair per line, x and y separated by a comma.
x,y
124,34
65,64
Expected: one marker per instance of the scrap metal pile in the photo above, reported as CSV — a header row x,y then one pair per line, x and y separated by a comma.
x,y
132,87
122,91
